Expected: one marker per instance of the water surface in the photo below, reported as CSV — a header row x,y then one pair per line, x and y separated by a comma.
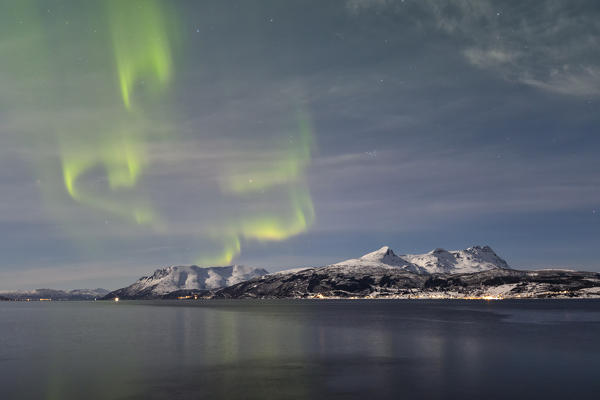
x,y
293,349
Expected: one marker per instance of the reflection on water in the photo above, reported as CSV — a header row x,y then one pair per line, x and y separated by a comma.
x,y
299,349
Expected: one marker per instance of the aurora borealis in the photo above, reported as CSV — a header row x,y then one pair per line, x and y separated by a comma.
x,y
145,132
104,155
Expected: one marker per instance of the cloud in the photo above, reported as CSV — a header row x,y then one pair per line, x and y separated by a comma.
x,y
582,81
550,46
489,58
405,191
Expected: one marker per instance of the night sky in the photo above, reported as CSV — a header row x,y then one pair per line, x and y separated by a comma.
x,y
138,134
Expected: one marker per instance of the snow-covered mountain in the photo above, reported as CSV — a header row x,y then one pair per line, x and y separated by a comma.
x,y
52,294
176,278
473,259
396,283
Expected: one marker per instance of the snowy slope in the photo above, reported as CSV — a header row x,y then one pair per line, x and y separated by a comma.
x,y
473,259
383,258
171,279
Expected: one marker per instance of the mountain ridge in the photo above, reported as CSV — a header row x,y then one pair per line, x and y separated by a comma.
x,y
181,278
472,259
54,294
396,283
475,272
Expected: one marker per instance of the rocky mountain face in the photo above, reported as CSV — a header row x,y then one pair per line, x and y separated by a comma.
x,y
473,259
185,279
381,282
477,272
52,294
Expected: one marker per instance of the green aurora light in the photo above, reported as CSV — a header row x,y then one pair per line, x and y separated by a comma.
x,y
98,123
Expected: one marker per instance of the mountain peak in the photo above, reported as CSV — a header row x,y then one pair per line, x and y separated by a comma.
x,y
382,252
438,250
382,258
384,255
484,249
473,259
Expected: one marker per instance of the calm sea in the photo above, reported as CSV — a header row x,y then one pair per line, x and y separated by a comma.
x,y
291,349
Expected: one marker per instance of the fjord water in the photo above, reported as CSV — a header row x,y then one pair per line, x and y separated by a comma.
x,y
293,349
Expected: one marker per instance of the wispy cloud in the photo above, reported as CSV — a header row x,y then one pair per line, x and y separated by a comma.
x,y
408,191
550,45
491,58
578,81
